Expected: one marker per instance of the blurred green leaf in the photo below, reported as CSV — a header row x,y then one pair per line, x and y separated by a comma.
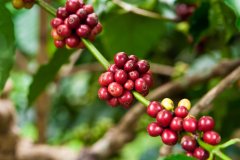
x,y
7,45
46,73
130,33
179,157
235,6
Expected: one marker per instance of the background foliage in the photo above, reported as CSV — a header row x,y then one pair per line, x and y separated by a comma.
x,y
77,118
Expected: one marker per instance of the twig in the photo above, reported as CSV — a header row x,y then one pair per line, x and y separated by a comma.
x,y
130,8
124,132
214,92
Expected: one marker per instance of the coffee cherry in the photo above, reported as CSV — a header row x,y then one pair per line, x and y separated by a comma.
x,y
185,102
143,66
112,68
106,78
63,30
169,137
206,123
141,85
82,14
176,124
189,154
134,58
73,21
88,8
126,99
153,108
188,143
148,78
164,118
190,124
18,4
212,137
133,75
115,89
103,94
120,59
62,13
72,41
83,31
154,129
167,103
56,22
120,76
184,11
97,29
129,85
55,35
72,6
92,20
113,102
200,154
59,43
129,66
181,112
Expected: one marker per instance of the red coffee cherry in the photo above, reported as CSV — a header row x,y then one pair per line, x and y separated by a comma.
x,y
72,41
211,137
120,76
200,154
153,108
83,31
106,78
154,129
190,124
59,43
126,99
188,143
143,66
112,68
92,20
73,21
148,78
82,14
56,22
89,8
63,30
97,29
206,123
62,13
134,58
129,85
113,102
164,118
115,89
181,112
133,75
176,124
103,93
141,85
120,59
72,5
169,137
129,66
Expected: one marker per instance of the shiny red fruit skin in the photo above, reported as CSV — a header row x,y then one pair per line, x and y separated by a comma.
x,y
154,129
188,143
148,78
211,137
143,66
63,30
62,13
73,21
130,65
176,124
56,22
113,102
82,14
103,94
120,76
106,78
112,68
153,108
133,75
190,124
129,85
72,41
72,6
200,154
126,99
115,89
169,137
206,123
164,118
181,111
134,58
141,85
92,20
120,59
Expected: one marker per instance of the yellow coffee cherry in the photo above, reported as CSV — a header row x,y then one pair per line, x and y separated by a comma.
x,y
185,102
18,4
167,103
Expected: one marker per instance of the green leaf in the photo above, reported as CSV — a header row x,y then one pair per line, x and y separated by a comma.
x,y
178,157
235,6
47,73
7,45
131,33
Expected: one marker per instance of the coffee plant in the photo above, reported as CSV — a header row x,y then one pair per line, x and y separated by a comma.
x,y
62,59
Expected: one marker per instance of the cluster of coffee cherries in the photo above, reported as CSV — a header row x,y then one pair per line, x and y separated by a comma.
x,y
128,73
19,4
177,124
184,11
74,21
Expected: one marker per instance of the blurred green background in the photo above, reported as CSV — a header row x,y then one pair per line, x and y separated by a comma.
x,y
76,117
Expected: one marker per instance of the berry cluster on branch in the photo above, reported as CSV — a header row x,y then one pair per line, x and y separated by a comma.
x,y
177,124
19,4
74,21
127,74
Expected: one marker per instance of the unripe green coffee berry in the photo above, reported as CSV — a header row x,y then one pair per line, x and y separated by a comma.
x,y
167,103
185,102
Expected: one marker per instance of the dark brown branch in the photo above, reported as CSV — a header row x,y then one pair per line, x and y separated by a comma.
x,y
124,132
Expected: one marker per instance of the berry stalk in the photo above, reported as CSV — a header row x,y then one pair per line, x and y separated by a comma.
x,y
47,7
141,99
